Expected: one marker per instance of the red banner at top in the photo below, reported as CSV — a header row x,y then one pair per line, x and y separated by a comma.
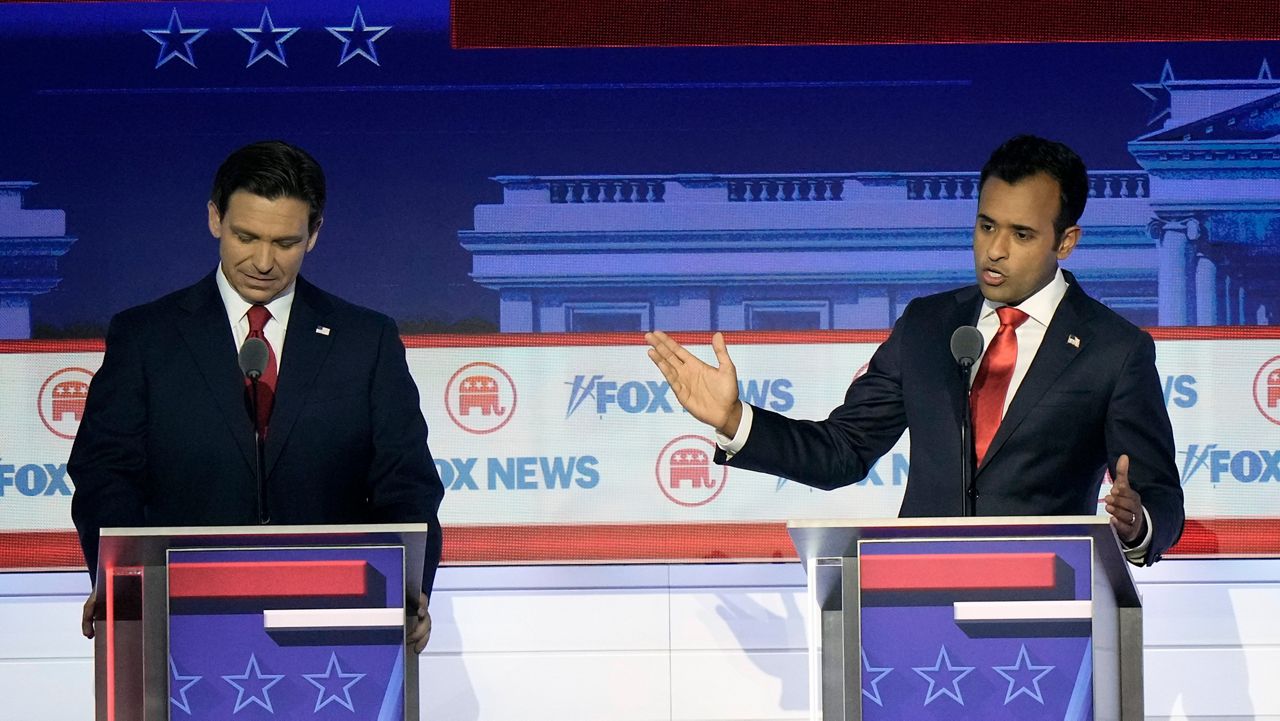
x,y
628,23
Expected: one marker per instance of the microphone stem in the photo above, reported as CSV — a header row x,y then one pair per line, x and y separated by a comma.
x,y
259,452
967,496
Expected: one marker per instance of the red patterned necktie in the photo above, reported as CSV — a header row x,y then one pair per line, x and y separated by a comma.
x,y
266,386
992,382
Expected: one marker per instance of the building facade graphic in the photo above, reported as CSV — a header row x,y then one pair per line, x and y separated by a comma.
x,y
31,241
1191,239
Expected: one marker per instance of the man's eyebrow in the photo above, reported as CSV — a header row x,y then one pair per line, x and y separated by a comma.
x,y
249,233
1023,228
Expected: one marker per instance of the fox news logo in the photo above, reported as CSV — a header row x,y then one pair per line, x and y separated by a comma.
x,y
34,479
649,396
520,473
1222,464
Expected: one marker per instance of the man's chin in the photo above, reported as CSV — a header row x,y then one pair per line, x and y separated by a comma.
x,y
258,296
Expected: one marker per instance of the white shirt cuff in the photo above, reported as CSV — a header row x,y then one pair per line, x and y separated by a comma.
x,y
1138,553
730,446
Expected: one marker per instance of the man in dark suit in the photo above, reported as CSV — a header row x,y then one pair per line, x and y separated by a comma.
x,y
167,437
1066,387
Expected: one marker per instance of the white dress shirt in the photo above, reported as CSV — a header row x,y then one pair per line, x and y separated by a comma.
x,y
238,315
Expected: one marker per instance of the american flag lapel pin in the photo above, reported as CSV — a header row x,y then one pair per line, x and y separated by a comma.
x,y
324,330
1073,341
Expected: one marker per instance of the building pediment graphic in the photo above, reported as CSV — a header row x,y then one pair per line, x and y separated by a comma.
x,y
1191,239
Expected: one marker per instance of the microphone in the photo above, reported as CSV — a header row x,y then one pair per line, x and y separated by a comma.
x,y
966,346
254,357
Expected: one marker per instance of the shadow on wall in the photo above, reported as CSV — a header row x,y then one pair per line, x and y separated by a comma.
x,y
767,637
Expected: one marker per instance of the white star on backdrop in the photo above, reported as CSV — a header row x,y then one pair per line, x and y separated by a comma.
x,y
269,46
175,41
358,38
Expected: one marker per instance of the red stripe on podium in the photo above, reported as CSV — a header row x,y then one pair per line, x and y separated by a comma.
x,y
645,542
958,571
268,579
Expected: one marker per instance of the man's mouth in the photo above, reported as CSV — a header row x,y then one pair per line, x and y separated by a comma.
x,y
991,276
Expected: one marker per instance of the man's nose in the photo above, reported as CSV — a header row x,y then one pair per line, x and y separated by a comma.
x,y
263,258
998,248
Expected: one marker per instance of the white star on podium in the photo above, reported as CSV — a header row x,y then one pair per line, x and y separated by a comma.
x,y
253,678
176,678
1023,668
333,673
952,686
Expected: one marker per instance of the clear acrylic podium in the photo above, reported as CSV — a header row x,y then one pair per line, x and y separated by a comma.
x,y
971,618
204,623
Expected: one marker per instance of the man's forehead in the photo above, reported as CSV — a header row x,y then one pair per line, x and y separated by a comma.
x,y
1027,201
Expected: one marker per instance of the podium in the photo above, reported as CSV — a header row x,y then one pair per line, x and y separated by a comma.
x,y
285,621
971,618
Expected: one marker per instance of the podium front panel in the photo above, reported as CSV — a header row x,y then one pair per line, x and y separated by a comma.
x,y
290,631
982,630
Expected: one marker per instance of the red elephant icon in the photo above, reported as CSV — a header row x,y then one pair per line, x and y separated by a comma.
x,y
690,464
69,397
481,393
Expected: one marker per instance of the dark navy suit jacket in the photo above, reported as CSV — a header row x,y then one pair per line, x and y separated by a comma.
x,y
1091,394
166,439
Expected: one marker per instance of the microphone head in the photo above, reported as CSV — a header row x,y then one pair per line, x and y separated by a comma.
x,y
254,356
966,345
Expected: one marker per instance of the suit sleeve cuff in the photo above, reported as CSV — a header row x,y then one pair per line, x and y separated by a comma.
x,y
730,446
1137,554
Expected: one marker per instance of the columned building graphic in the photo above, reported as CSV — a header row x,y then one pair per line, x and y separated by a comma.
x,y
31,241
1191,239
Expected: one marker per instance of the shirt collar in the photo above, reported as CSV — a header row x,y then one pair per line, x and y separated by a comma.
x,y
237,307
1041,305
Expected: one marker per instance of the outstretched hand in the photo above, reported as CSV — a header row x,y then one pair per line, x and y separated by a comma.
x,y
709,394
1125,505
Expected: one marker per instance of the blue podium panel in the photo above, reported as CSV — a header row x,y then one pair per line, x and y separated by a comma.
x,y
989,630
287,633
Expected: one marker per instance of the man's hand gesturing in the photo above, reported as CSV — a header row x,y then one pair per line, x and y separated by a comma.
x,y
709,394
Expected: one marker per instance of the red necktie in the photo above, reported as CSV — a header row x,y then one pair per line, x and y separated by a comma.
x,y
266,386
992,383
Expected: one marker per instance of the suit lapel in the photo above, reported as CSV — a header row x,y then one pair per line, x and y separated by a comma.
x,y
965,312
305,350
207,335
1057,351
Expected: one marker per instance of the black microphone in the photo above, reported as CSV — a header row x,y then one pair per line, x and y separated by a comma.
x,y
254,357
966,346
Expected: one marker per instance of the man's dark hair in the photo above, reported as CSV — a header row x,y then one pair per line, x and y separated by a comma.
x,y
271,169
1023,156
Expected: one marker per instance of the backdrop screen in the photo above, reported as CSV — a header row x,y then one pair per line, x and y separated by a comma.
x,y
526,188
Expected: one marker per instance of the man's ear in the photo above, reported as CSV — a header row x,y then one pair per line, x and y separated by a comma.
x,y
1067,243
311,242
215,221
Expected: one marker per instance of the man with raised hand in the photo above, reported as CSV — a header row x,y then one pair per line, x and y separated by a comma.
x,y
1064,389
